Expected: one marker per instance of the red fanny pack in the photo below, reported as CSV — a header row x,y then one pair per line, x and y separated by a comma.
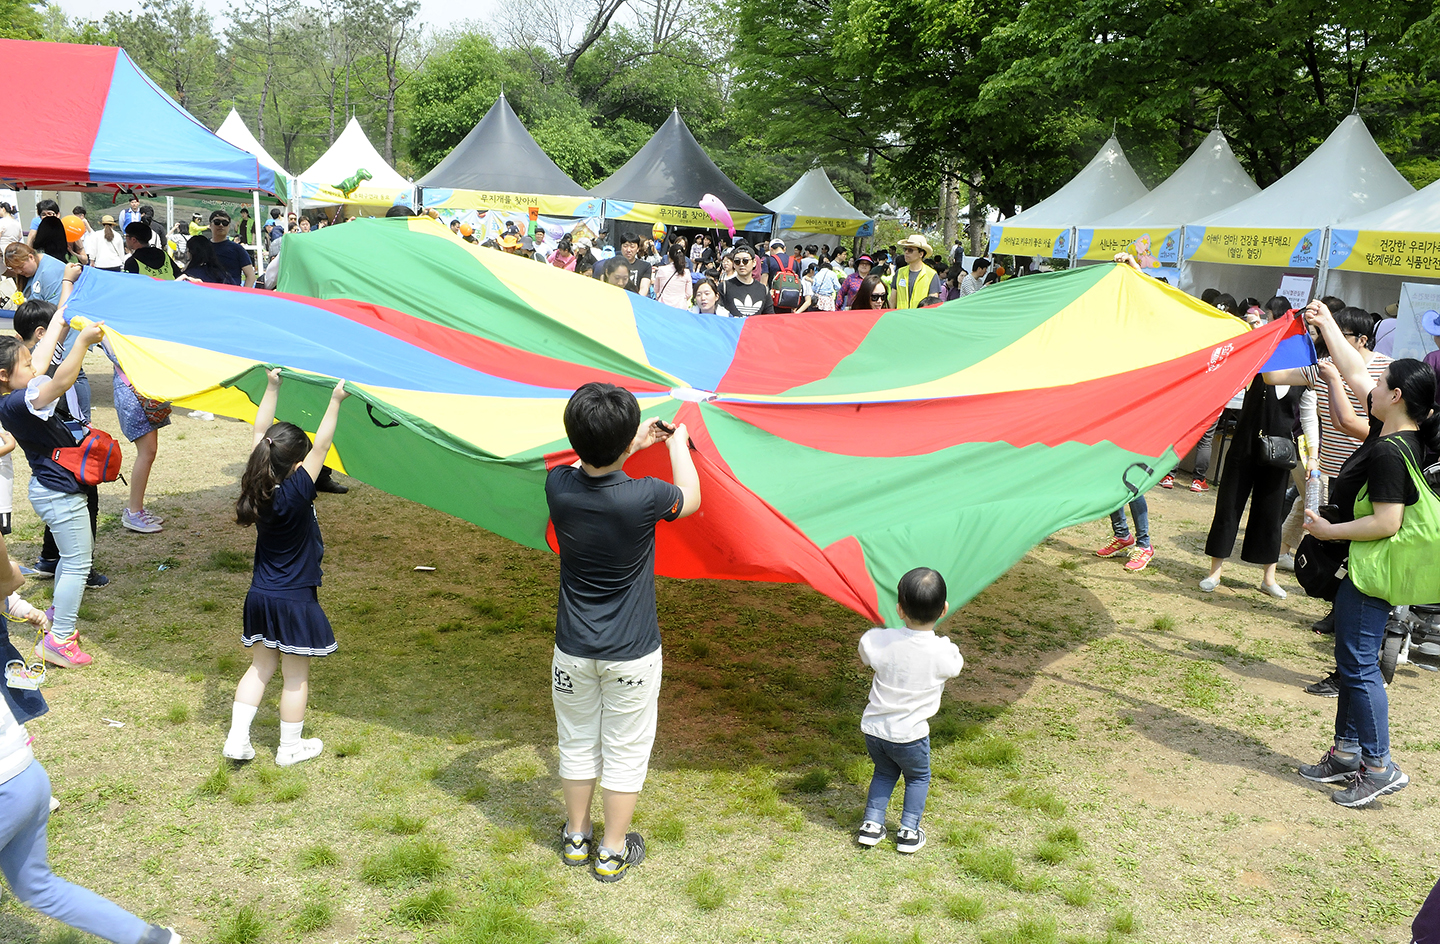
x,y
96,459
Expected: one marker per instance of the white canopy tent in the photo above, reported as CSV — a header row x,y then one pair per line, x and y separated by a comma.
x,y
1210,180
1373,253
319,185
1246,248
234,130
813,211
1104,185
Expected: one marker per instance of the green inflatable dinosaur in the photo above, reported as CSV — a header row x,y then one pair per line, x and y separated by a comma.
x,y
352,183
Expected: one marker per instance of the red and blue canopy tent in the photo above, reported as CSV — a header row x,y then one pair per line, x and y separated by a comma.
x,y
102,124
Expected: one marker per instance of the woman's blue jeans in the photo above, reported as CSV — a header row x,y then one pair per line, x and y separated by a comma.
x,y
24,813
68,519
1140,510
1362,713
891,761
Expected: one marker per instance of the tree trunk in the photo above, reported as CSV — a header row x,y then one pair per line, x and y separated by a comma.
x,y
391,91
949,209
976,225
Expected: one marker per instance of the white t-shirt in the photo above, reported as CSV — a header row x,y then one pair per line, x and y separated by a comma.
x,y
106,253
15,754
911,668
9,231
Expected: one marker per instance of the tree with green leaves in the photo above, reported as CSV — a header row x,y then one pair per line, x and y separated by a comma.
x,y
174,41
19,19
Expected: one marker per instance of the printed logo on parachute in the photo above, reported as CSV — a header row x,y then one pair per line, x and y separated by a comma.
x,y
1218,356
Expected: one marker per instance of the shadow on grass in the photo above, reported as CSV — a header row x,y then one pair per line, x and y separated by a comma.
x,y
1204,740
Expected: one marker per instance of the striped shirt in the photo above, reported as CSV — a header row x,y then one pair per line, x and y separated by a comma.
x,y
1335,446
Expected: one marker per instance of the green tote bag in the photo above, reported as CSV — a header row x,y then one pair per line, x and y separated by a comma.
x,y
1405,567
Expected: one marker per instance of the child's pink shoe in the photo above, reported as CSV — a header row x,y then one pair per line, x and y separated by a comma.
x,y
65,654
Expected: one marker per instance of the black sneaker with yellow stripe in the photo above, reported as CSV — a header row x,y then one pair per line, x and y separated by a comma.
x,y
611,866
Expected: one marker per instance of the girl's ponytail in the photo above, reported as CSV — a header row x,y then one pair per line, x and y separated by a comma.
x,y
271,462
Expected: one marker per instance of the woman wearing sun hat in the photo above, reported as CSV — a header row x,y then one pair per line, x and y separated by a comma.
x,y
851,285
1430,322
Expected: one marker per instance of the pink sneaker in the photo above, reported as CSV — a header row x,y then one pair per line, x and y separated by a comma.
x,y
67,655
1140,558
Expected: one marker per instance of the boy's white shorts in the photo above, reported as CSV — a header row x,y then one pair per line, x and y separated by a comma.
x,y
605,715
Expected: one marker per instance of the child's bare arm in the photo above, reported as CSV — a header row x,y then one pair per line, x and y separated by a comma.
x,y
53,388
265,414
682,468
325,435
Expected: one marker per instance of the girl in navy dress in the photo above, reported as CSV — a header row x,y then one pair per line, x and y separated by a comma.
x,y
282,609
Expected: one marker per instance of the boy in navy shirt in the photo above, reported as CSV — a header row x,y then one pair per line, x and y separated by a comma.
x,y
606,665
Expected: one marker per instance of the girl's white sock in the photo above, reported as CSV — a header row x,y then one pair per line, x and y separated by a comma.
x,y
240,718
290,734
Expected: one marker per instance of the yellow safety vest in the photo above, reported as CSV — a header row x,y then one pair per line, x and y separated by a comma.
x,y
902,281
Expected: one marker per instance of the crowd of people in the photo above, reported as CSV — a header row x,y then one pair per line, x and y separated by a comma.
x,y
1333,460
713,275
1354,429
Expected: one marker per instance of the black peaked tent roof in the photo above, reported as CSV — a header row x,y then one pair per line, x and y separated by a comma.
x,y
498,155
672,169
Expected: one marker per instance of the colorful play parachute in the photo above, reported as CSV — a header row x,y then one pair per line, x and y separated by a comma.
x,y
839,449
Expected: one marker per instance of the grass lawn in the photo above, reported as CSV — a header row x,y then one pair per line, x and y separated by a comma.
x,y
1115,764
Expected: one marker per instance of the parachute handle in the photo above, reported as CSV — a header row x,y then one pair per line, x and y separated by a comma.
x,y
370,410
1125,477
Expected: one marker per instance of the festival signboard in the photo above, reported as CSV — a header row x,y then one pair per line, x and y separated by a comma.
x,y
683,216
824,224
1049,242
1388,253
1151,246
549,205
1282,248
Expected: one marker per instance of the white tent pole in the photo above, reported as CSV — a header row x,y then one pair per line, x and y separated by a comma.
x,y
1323,263
169,217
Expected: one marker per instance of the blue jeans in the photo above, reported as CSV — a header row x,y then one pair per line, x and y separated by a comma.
x,y
24,812
892,760
1362,713
1141,513
68,519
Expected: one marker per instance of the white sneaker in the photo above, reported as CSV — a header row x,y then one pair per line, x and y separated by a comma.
x,y
1274,590
1209,584
238,751
145,513
306,749
1286,562
138,522
909,841
54,804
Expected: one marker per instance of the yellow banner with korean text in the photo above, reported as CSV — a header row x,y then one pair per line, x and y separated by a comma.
x,y
1152,246
1281,248
1031,241
1392,253
683,216
547,204
327,195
